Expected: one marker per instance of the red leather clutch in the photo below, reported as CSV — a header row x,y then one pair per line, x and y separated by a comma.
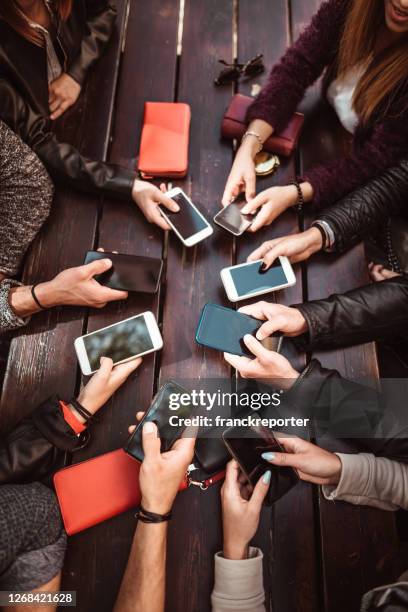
x,y
165,140
234,125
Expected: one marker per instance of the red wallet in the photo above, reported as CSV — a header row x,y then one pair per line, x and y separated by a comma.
x,y
234,125
97,489
165,140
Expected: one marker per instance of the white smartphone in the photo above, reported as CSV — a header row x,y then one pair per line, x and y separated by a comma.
x,y
189,224
248,280
121,342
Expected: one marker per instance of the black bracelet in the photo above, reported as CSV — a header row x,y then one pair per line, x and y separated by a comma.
x,y
301,199
323,233
35,298
88,416
151,517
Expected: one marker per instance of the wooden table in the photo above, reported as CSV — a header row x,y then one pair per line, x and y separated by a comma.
x,y
318,555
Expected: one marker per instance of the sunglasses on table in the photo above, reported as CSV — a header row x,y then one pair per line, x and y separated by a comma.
x,y
233,72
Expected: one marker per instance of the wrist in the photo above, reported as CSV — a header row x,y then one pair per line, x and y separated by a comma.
x,y
249,147
90,405
158,506
315,239
337,469
235,551
300,323
48,295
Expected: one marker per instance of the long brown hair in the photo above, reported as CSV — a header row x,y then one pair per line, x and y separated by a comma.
x,y
387,71
14,16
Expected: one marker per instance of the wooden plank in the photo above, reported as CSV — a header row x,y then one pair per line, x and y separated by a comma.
x,y
362,557
123,228
42,361
291,567
192,280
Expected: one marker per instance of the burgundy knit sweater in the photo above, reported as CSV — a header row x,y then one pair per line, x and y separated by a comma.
x,y
375,147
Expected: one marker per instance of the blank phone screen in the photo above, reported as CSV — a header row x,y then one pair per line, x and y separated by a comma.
x,y
249,279
187,221
122,341
128,272
224,329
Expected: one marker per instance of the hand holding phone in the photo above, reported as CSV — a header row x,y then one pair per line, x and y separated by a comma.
x,y
105,382
246,446
241,511
159,412
250,280
123,341
128,272
188,224
264,364
232,219
224,329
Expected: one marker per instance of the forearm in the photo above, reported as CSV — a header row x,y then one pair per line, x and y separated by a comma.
x,y
363,211
143,584
371,313
64,162
371,481
99,28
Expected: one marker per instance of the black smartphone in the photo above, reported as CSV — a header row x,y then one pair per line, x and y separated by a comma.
x,y
162,408
246,446
224,329
129,272
232,219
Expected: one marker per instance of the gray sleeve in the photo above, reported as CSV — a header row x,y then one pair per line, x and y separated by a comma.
x,y
238,585
371,481
8,319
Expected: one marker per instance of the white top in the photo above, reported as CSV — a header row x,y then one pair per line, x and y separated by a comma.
x,y
340,95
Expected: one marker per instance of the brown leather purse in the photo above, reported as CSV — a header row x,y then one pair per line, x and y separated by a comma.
x,y
234,125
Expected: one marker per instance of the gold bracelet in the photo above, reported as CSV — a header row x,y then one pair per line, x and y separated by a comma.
x,y
257,136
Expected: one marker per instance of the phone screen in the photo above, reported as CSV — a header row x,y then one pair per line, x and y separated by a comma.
x,y
187,221
247,446
128,272
248,279
121,341
160,413
224,329
232,219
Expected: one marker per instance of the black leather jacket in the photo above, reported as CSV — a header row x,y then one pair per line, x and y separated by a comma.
x,y
24,95
363,212
375,312
37,446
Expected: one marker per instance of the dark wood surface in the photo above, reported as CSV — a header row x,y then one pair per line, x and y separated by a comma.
x,y
319,556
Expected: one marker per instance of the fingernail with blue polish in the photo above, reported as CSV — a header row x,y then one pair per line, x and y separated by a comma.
x,y
267,477
268,456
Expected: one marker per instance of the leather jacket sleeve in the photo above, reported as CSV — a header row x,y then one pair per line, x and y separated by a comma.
x,y
37,445
363,211
355,414
64,162
100,20
370,313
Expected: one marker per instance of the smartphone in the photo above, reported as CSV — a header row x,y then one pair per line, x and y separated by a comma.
x,y
189,224
224,329
129,272
248,280
232,219
121,342
246,446
160,413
